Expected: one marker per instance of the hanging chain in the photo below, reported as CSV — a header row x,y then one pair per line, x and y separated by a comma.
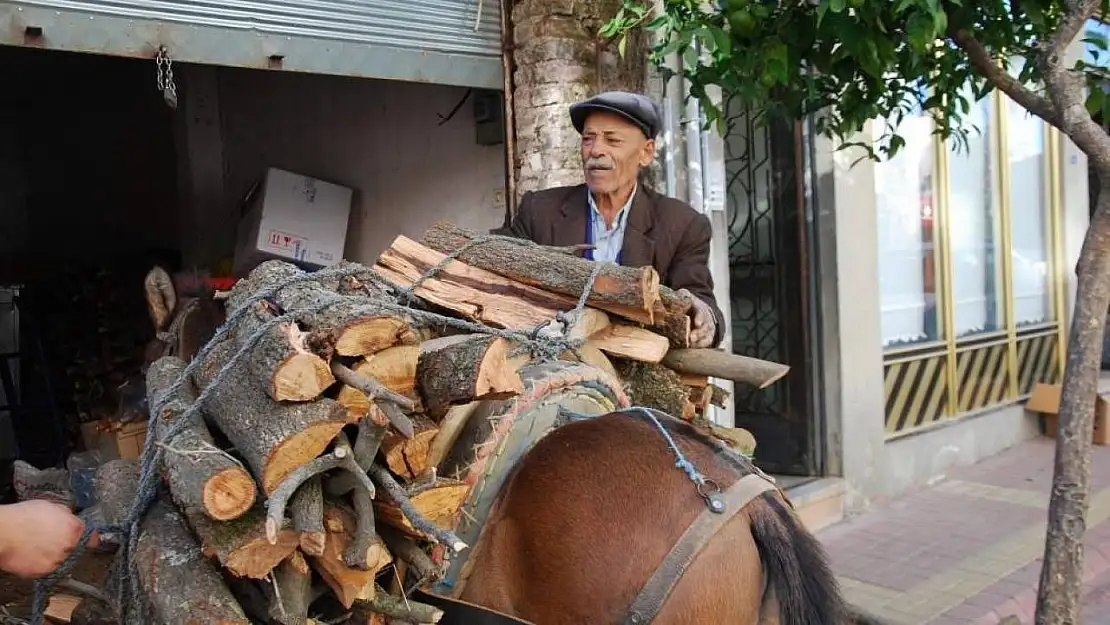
x,y
165,77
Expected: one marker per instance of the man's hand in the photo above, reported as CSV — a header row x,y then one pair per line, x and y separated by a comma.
x,y
36,536
703,326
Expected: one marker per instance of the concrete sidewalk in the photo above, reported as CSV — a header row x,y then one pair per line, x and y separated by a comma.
x,y
968,549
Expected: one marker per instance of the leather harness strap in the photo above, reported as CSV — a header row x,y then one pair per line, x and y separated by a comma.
x,y
655,592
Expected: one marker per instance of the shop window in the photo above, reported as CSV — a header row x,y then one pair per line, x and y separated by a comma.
x,y
968,289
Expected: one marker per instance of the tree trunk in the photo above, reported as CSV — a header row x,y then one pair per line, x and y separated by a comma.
x,y
1062,572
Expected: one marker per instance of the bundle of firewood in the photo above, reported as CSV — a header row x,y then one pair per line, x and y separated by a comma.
x,y
309,466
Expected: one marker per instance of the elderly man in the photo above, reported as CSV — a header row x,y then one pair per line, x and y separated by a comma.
x,y
627,223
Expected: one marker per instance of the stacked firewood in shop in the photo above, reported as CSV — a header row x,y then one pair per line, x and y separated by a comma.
x,y
309,471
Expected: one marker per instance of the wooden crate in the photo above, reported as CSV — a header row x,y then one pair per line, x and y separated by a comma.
x,y
1045,400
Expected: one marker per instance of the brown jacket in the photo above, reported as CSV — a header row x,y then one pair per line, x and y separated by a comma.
x,y
662,232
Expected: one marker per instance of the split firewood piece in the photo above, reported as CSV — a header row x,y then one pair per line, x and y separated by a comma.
x,y
719,397
408,457
243,545
351,326
700,397
397,608
720,364
199,474
676,321
60,607
694,380
409,552
348,584
426,512
590,355
653,386
632,292
470,292
625,341
587,324
689,410
339,458
736,438
307,510
161,297
274,438
291,591
179,585
376,392
280,362
459,369
394,367
450,428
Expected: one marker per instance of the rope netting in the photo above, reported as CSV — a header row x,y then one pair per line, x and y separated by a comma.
x,y
545,342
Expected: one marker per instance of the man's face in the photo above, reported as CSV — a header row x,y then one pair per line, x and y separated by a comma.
x,y
613,151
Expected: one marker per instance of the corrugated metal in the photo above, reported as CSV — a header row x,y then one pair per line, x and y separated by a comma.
x,y
451,41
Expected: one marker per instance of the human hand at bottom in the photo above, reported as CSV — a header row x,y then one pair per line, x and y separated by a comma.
x,y
36,537
703,325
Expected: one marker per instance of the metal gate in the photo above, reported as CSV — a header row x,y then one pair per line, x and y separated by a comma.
x,y
450,42
768,251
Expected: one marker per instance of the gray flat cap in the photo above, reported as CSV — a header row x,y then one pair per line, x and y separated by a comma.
x,y
638,109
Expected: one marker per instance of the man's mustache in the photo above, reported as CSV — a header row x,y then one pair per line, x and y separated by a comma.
x,y
598,163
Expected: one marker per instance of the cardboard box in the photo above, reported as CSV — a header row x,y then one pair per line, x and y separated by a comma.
x,y
113,439
295,218
1045,399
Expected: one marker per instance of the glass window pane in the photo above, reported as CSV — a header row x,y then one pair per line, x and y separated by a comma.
x,y
907,263
974,227
1029,225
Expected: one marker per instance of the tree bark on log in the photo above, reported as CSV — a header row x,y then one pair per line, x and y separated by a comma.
x,y
398,608
653,386
199,474
459,369
408,551
291,591
632,292
349,327
274,438
720,364
408,457
307,510
394,367
280,362
241,545
180,586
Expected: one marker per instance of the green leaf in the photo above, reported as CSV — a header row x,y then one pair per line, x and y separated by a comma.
x,y
1096,99
622,45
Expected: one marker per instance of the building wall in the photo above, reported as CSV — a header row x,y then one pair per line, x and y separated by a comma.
x,y
385,139
877,457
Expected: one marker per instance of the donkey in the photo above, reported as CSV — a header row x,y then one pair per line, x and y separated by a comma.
x,y
593,511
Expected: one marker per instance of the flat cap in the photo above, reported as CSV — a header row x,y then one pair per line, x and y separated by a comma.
x,y
636,108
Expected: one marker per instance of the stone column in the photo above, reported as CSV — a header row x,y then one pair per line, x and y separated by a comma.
x,y
560,59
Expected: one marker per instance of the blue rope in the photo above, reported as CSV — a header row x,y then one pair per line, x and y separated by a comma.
x,y
681,461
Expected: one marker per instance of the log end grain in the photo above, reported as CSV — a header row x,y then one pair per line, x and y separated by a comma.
x,y
372,335
255,559
302,376
440,504
229,494
297,449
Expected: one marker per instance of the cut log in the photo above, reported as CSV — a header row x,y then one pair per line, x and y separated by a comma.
x,y
591,355
347,583
49,484
408,457
437,503
737,438
60,607
349,326
408,552
274,438
394,367
460,369
700,397
199,474
450,428
365,547
397,608
181,586
291,591
588,324
469,292
241,545
372,388
632,292
695,380
280,362
307,510
721,364
653,386
625,341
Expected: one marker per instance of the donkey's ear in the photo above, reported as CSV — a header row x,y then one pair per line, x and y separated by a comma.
x,y
161,298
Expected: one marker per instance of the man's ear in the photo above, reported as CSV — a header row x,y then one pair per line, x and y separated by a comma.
x,y
648,153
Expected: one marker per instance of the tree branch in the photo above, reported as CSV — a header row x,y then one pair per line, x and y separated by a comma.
x,y
983,61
